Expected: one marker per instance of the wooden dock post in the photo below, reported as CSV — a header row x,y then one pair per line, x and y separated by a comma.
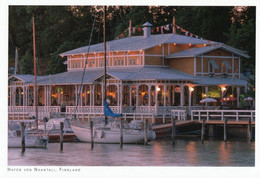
x,y
173,129
121,133
23,136
225,129
249,131
203,129
145,131
61,135
91,134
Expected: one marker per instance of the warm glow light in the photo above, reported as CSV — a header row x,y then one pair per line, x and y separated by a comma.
x,y
143,93
174,44
61,92
191,89
223,89
53,85
116,51
158,89
141,50
87,92
205,45
83,94
21,93
133,91
189,44
160,45
231,95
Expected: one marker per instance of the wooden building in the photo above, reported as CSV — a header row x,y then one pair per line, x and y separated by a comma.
x,y
148,75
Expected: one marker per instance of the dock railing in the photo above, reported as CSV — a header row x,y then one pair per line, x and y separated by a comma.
x,y
180,114
237,115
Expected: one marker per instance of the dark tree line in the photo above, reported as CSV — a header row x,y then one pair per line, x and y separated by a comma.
x,y
62,28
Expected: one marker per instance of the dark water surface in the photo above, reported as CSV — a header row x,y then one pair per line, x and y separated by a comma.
x,y
161,152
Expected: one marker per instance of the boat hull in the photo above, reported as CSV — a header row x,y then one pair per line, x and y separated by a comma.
x,y
30,142
112,135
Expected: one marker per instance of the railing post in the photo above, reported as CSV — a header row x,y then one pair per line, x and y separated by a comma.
x,y
237,116
222,115
199,115
207,115
191,112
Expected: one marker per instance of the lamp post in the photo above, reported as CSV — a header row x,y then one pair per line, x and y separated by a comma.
x,y
191,89
223,90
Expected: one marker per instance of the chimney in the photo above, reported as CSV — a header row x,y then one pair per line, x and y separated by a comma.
x,y
147,29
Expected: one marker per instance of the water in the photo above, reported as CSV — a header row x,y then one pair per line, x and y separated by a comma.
x,y
185,152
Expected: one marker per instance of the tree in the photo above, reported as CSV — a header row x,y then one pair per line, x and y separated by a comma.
x,y
241,34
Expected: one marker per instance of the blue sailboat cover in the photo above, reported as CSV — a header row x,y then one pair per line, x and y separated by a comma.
x,y
108,112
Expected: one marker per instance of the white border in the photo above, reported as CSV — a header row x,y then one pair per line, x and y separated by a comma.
x,y
157,172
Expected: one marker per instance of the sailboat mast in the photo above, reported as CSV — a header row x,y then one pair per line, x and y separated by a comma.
x,y
35,78
105,63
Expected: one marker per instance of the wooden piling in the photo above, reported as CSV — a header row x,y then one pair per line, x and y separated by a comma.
x,y
225,129
23,136
91,134
61,135
145,131
249,131
203,129
173,130
121,133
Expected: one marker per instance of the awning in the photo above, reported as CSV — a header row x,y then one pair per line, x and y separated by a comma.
x,y
228,67
214,64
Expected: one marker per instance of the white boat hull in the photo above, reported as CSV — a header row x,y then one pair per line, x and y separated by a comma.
x,y
30,142
111,135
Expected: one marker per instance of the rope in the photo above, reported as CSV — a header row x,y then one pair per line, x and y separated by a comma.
x,y
82,78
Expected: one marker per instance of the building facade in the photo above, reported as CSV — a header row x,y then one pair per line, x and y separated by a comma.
x,y
146,75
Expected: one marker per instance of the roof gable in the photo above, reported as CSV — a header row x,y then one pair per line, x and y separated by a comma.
x,y
24,78
193,52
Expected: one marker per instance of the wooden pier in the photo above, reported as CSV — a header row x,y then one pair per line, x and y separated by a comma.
x,y
211,123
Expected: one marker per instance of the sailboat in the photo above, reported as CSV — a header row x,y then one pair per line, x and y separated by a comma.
x,y
33,138
107,130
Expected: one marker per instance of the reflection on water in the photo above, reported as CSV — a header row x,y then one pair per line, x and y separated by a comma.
x,y
161,152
